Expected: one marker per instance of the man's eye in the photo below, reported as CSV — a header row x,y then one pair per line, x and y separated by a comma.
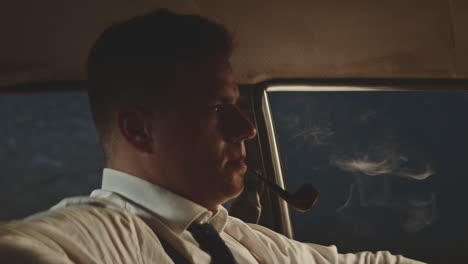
x,y
218,108
223,107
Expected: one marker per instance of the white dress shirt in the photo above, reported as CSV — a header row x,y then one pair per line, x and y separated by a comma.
x,y
169,215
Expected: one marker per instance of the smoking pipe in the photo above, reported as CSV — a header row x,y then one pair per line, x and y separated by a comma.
x,y
302,200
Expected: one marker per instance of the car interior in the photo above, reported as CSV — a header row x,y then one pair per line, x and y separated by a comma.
x,y
361,109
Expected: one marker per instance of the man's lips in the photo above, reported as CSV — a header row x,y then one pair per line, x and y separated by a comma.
x,y
238,163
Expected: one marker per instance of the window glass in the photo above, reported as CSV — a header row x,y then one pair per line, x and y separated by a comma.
x,y
390,166
49,150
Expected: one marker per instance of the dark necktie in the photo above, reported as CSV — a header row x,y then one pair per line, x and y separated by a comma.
x,y
212,243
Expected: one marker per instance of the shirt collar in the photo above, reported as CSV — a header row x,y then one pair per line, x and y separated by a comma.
x,y
172,209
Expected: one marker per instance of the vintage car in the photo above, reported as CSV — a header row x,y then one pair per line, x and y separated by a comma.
x,y
364,101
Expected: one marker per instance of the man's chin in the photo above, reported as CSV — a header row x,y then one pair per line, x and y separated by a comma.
x,y
234,185
238,192
231,193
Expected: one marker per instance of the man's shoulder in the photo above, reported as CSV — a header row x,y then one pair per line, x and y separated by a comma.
x,y
76,227
80,212
87,201
70,217
74,211
240,225
239,229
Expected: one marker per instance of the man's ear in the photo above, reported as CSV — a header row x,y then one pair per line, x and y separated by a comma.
x,y
135,127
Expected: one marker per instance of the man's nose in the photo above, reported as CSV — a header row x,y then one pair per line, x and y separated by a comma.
x,y
236,127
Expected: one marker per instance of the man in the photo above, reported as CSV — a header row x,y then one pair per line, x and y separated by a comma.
x,y
163,98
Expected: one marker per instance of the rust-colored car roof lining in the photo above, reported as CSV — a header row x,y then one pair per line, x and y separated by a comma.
x,y
49,40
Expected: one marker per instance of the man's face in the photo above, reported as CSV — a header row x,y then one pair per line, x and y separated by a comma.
x,y
200,140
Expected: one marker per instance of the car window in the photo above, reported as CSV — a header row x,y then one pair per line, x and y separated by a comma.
x,y
390,166
49,150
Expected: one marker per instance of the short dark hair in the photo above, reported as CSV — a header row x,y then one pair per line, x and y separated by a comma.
x,y
136,59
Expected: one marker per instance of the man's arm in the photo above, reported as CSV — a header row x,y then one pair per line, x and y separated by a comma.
x,y
369,257
298,252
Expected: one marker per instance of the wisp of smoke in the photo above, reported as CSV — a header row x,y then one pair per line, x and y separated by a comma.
x,y
365,166
428,172
375,198
386,165
315,135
